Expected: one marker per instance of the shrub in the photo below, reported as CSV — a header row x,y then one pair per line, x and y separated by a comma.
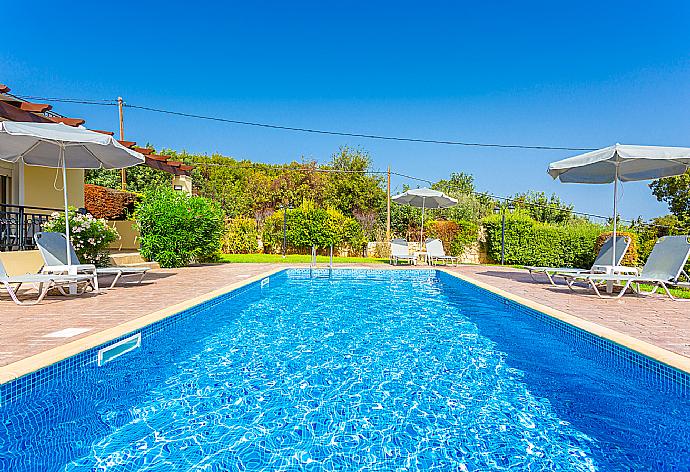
x,y
455,235
107,203
177,229
241,236
90,236
631,256
532,243
309,226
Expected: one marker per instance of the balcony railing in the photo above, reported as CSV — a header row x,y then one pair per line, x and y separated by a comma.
x,y
19,223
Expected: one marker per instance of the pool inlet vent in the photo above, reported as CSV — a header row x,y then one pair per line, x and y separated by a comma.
x,y
116,350
264,282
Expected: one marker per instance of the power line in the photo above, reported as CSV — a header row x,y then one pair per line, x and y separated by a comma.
x,y
110,102
356,135
79,101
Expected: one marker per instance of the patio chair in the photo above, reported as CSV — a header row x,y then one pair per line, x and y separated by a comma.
x,y
601,262
400,252
42,282
435,253
53,250
664,266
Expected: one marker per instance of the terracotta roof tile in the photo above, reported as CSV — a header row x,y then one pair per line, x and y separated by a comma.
x,y
67,121
35,107
109,133
127,144
10,112
144,151
4,88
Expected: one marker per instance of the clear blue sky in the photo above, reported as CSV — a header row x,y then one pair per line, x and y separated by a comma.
x,y
583,74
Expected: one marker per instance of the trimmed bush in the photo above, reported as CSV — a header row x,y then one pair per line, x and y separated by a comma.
x,y
90,236
309,226
631,258
455,235
241,236
529,242
103,202
177,230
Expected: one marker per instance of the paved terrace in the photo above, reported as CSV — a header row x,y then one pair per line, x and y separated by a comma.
x,y
24,330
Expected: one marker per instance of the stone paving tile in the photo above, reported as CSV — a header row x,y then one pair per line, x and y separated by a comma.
x,y
653,319
22,327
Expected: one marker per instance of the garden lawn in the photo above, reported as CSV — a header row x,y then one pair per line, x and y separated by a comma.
x,y
676,292
295,259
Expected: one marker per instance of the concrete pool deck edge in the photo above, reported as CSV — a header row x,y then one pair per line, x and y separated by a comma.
x,y
656,353
36,362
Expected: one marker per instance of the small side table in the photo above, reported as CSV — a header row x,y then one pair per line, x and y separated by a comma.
x,y
417,255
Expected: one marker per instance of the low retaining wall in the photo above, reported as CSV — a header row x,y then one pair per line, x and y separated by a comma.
x,y
129,236
475,253
21,262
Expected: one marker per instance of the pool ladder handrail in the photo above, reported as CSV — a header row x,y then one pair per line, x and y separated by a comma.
x,y
312,263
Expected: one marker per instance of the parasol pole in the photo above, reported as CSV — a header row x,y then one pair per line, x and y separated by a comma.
x,y
64,193
615,215
421,233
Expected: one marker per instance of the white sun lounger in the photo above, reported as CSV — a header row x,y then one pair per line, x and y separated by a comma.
x,y
400,252
42,282
435,253
663,268
53,250
601,264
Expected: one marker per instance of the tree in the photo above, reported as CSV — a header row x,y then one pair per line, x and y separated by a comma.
x,y
471,206
349,188
542,208
140,178
675,192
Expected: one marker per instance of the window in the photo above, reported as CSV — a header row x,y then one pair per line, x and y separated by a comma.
x,y
5,189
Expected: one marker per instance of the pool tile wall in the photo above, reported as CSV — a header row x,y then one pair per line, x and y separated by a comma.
x,y
17,388
664,376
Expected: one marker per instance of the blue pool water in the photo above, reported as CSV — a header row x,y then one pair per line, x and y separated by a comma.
x,y
370,371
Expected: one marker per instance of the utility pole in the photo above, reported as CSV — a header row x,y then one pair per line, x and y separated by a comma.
x,y
388,207
123,173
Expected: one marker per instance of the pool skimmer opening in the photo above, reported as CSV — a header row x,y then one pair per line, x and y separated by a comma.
x,y
116,350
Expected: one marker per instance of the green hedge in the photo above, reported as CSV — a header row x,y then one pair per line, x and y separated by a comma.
x,y
309,226
529,242
455,235
241,236
177,229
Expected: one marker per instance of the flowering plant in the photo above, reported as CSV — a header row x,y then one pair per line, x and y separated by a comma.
x,y
90,236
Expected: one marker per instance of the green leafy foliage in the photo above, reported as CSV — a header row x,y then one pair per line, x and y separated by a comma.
x,y
455,235
542,208
351,190
530,242
249,189
241,236
90,236
140,179
177,229
308,226
675,191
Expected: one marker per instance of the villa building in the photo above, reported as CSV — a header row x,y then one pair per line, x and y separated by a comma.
x,y
28,194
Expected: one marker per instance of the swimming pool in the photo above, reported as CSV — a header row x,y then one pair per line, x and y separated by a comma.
x,y
352,370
